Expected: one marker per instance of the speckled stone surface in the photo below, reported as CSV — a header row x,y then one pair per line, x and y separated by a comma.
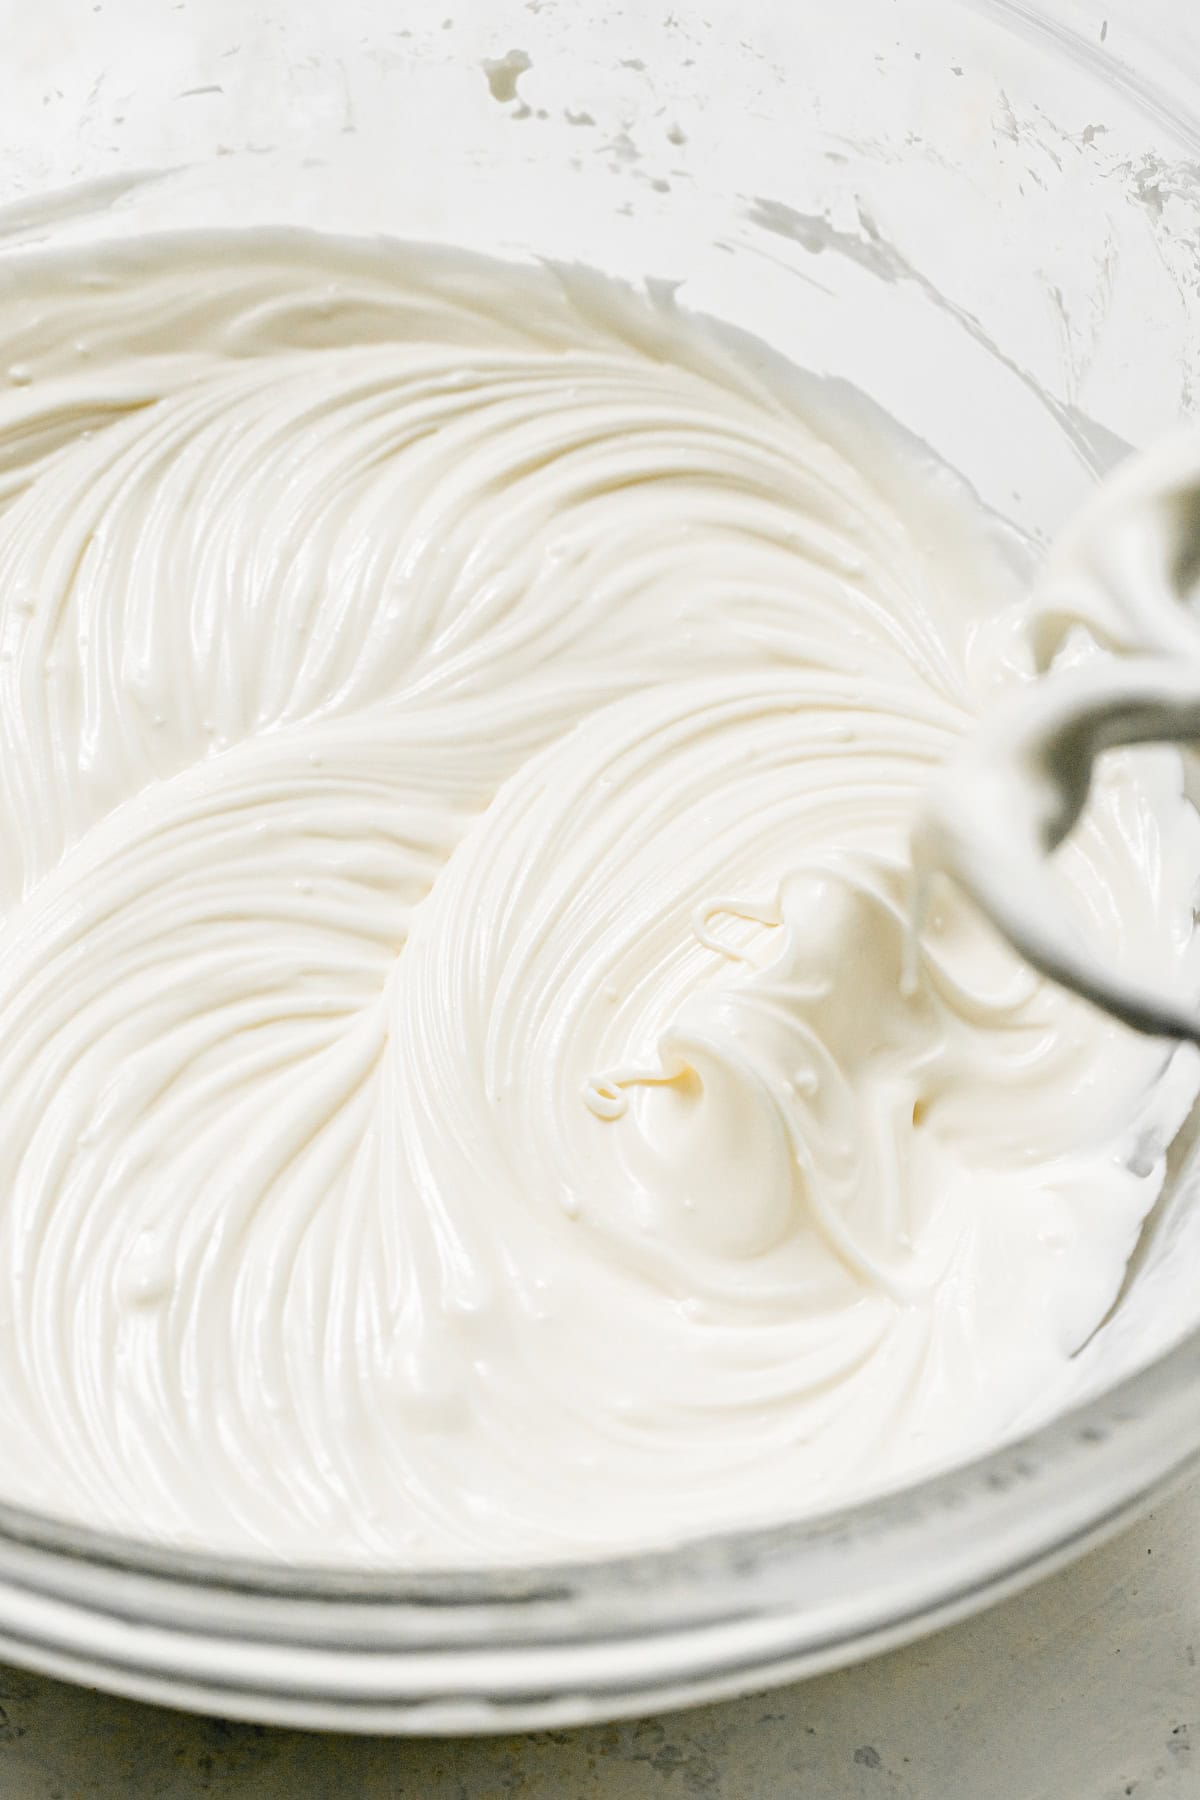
x,y
1086,1688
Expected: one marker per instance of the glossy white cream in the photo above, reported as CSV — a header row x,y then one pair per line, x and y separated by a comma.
x,y
467,1091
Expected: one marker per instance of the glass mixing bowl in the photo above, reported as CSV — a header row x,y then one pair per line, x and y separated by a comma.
x,y
982,214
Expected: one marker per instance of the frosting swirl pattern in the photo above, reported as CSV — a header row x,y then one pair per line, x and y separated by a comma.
x,y
468,1092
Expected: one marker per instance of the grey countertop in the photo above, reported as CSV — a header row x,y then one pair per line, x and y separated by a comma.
x,y
1085,1688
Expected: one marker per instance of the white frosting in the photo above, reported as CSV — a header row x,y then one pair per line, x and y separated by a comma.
x,y
462,729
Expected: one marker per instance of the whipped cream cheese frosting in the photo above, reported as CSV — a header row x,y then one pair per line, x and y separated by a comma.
x,y
470,1092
